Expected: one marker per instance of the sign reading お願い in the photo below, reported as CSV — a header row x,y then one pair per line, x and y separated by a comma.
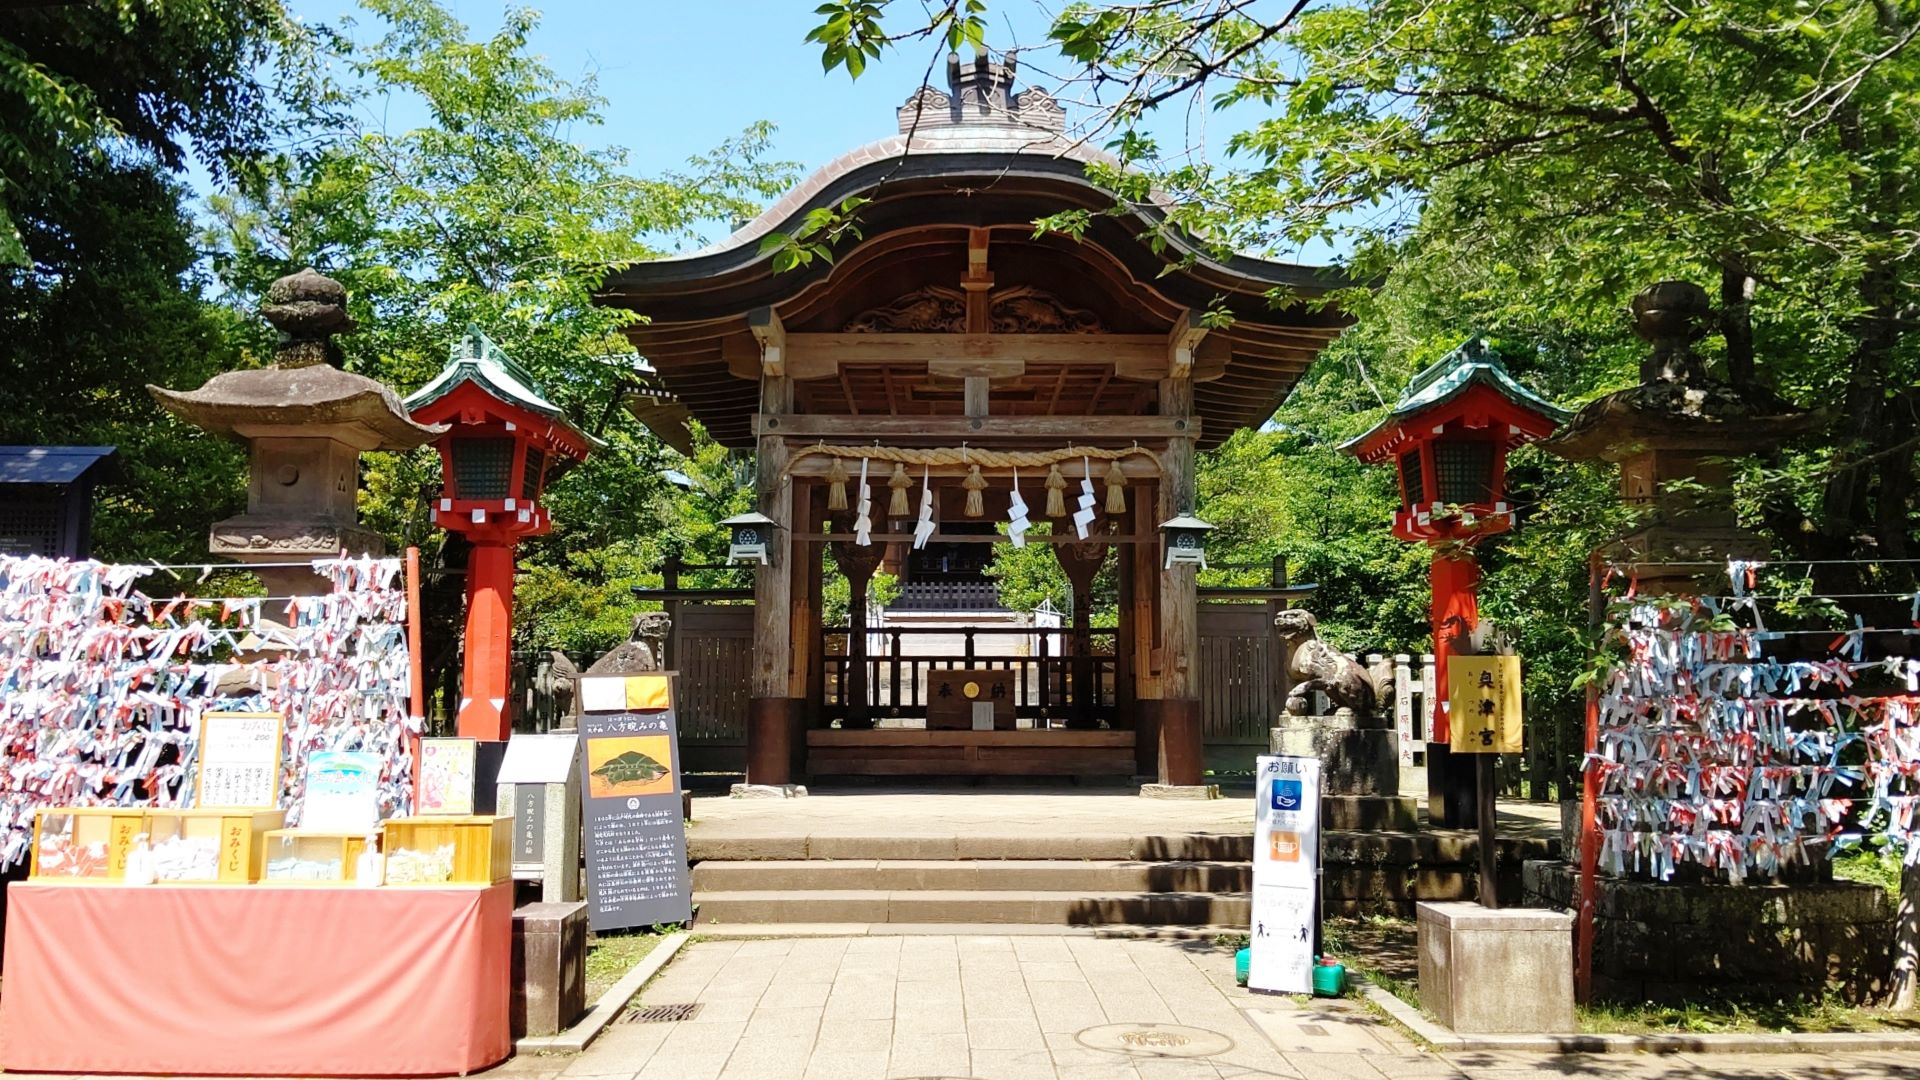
x,y
636,836
1483,696
1286,873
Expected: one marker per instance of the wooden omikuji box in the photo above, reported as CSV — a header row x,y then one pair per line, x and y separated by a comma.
x,y
93,839
482,845
240,834
312,846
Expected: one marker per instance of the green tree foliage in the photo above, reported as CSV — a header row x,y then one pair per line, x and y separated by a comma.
x,y
114,78
495,212
108,305
1498,166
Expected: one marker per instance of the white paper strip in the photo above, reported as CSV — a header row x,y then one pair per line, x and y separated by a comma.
x,y
923,529
1083,517
863,511
1017,515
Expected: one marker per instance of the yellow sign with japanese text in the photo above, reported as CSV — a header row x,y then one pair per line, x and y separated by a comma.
x,y
1483,703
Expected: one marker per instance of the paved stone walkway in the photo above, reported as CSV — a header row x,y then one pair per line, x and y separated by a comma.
x,y
1014,1008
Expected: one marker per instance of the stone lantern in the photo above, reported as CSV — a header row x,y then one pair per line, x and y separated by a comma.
x,y
503,440
1448,437
1678,425
306,423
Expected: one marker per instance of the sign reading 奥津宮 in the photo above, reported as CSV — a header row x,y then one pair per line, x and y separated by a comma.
x,y
1483,698
636,838
1286,874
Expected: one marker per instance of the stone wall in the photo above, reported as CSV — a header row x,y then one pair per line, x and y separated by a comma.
x,y
1669,943
1387,873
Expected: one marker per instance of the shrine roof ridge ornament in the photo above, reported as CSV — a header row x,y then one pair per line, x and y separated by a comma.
x,y
981,92
979,128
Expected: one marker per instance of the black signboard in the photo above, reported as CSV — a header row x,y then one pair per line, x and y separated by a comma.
x,y
636,839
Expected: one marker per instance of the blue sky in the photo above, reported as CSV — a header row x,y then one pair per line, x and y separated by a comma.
x,y
679,77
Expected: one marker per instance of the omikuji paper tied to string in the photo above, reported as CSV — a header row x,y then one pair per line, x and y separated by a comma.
x,y
1713,752
102,687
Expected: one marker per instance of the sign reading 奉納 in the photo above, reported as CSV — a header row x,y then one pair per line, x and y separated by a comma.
x,y
239,761
1483,698
636,838
1286,874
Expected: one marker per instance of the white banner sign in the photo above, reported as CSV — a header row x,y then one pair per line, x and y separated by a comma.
x,y
1286,871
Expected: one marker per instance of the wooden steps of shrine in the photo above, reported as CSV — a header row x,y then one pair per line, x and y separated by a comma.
x,y
895,752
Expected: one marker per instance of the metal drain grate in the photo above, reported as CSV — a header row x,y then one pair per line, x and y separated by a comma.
x,y
662,1014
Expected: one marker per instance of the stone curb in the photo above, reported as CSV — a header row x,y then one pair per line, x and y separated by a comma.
x,y
1446,1040
575,1039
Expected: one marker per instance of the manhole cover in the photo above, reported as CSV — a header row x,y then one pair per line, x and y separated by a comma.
x,y
1155,1040
662,1014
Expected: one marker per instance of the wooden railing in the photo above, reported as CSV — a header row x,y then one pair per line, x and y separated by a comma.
x,y
1051,685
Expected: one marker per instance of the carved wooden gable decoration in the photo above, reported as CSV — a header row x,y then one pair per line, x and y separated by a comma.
x,y
940,309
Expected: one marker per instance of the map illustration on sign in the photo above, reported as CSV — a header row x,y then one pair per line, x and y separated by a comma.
x,y
635,766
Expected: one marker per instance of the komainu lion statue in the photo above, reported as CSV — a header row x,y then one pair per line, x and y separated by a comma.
x,y
1315,665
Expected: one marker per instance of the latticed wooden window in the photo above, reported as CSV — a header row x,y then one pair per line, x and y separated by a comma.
x,y
530,475
1410,479
482,468
1463,471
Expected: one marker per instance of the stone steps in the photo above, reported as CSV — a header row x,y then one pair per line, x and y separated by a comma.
x,y
977,906
1018,875
1174,847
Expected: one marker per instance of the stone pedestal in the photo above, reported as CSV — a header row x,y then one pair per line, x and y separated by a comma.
x,y
1496,972
1671,942
549,989
1359,770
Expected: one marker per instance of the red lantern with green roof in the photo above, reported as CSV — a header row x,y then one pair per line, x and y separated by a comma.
x,y
1448,437
504,441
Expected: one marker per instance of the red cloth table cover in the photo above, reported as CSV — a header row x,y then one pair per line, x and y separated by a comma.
x,y
256,980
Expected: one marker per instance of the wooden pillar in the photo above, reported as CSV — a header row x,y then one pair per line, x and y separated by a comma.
x,y
813,674
1182,756
857,563
802,634
1145,570
1082,562
774,741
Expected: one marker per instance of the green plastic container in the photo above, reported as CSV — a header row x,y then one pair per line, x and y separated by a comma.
x,y
1241,960
1329,977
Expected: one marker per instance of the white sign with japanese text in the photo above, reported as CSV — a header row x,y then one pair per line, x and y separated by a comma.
x,y
239,761
1286,873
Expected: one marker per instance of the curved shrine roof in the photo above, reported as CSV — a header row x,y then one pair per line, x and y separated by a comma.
x,y
979,159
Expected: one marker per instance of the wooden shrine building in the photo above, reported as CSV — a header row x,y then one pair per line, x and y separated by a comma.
x,y
954,343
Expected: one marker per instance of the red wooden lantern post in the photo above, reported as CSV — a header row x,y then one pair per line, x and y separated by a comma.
x,y
1449,436
504,440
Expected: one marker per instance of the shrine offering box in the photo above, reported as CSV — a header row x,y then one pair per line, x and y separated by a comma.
x,y
311,857
476,850
83,843
211,845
